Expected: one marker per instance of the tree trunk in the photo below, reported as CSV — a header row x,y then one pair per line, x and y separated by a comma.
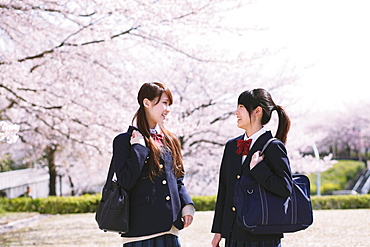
x,y
50,157
71,185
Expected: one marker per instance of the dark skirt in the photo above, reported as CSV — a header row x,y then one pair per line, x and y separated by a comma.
x,y
268,243
167,240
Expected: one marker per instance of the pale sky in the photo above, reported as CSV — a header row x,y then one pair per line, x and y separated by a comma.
x,y
328,41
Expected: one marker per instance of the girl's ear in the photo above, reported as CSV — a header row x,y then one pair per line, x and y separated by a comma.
x,y
146,102
258,111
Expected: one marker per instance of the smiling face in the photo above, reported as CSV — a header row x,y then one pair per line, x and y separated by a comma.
x,y
157,110
251,123
243,118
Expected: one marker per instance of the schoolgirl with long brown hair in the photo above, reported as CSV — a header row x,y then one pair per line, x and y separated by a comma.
x,y
149,165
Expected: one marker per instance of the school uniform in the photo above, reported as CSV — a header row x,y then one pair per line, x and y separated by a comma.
x,y
273,173
155,206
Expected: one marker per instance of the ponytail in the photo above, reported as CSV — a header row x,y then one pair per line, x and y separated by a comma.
x,y
251,99
284,124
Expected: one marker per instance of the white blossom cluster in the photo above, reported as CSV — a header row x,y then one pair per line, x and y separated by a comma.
x,y
309,164
8,132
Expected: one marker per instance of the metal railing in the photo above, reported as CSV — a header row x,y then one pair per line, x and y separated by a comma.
x,y
362,185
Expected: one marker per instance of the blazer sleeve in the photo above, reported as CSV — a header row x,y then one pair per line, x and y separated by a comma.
x,y
128,160
184,196
221,197
273,172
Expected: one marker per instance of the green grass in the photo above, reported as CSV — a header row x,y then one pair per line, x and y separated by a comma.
x,y
337,177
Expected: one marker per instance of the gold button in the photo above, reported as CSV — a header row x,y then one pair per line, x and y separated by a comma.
x,y
164,182
237,176
168,198
161,166
233,209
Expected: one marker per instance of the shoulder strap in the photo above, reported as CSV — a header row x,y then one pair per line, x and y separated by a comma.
x,y
267,143
264,148
111,171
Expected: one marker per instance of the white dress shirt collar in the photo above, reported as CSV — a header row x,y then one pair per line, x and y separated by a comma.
x,y
255,136
156,130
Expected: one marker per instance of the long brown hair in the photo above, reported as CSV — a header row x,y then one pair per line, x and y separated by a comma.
x,y
153,91
251,99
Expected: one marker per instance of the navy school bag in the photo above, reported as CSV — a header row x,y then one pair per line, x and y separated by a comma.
x,y
262,212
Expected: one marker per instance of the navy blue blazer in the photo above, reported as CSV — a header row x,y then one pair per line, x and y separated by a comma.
x,y
273,173
154,206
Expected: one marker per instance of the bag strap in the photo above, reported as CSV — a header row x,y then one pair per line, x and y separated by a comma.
x,y
266,145
111,171
264,148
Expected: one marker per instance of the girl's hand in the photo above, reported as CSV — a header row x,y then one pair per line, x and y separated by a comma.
x,y
137,138
188,219
256,158
216,240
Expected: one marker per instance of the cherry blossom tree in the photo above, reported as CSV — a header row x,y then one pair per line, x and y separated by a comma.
x,y
348,134
70,71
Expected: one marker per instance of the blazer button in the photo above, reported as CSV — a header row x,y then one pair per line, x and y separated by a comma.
x,y
161,166
164,181
168,198
238,176
233,209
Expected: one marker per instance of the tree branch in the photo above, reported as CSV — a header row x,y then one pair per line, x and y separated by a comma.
x,y
188,113
207,141
223,117
162,42
29,8
42,54
24,100
66,135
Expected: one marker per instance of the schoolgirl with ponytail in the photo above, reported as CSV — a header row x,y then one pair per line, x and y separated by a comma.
x,y
242,157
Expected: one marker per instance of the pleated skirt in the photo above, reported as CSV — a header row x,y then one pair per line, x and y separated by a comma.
x,y
167,240
269,243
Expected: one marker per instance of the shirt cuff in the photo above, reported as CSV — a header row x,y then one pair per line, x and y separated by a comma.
x,y
188,210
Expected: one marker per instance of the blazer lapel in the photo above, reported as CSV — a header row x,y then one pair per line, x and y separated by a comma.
x,y
236,158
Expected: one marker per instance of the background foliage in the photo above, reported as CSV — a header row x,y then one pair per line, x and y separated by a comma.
x,y
89,203
70,71
341,175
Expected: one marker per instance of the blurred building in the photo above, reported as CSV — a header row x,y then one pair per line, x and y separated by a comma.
x,y
33,182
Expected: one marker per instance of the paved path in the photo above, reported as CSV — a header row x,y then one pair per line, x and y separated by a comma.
x,y
331,228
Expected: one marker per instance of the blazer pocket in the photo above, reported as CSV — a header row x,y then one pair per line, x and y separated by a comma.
x,y
137,201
